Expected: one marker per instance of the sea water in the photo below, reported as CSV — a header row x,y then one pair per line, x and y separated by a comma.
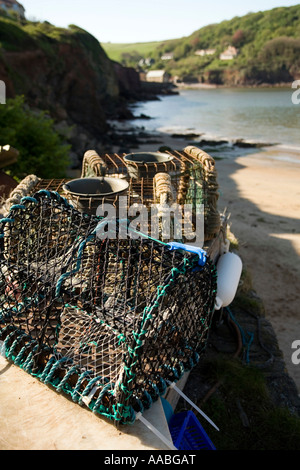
x,y
257,115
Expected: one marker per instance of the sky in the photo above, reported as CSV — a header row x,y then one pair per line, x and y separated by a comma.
x,y
130,21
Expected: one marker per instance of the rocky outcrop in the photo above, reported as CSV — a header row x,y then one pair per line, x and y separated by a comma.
x,y
128,81
67,73
66,79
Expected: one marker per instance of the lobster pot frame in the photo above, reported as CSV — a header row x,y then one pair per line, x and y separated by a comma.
x,y
187,177
190,177
107,320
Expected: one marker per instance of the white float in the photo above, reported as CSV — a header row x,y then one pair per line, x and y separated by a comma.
x,y
229,269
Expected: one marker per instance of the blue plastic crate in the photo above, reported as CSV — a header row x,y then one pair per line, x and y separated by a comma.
x,y
187,433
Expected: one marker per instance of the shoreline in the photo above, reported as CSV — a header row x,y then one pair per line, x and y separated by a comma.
x,y
199,86
138,138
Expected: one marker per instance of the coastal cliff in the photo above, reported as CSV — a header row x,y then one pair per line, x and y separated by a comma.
x,y
66,73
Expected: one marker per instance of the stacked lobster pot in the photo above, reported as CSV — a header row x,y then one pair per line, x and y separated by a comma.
x,y
106,315
162,179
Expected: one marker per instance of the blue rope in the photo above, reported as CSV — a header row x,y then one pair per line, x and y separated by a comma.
x,y
147,399
19,357
71,371
47,368
29,361
2,349
49,376
75,394
89,387
246,344
78,265
17,206
46,192
12,348
7,221
29,199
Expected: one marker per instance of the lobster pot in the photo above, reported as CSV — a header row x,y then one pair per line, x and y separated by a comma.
x,y
177,178
182,178
87,194
107,320
148,164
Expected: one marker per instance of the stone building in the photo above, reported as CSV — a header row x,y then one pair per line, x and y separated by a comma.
x,y
229,54
13,5
159,76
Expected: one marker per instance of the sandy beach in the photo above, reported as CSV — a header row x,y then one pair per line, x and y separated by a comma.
x,y
262,193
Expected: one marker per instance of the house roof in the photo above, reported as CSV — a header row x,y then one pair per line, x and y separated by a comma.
x,y
230,50
11,4
156,73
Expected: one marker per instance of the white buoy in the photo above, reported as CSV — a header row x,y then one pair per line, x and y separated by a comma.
x,y
229,269
225,247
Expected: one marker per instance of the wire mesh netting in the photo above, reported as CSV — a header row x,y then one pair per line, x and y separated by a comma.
x,y
108,321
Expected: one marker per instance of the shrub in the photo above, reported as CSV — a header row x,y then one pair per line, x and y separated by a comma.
x,y
42,150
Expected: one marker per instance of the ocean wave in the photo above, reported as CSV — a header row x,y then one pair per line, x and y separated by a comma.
x,y
289,147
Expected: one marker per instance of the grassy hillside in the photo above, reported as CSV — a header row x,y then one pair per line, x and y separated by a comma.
x,y
29,48
268,45
126,52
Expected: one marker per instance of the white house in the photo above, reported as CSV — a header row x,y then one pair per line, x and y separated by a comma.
x,y
13,5
159,76
148,62
229,53
167,56
203,52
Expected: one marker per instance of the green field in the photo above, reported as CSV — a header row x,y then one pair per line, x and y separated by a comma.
x,y
115,50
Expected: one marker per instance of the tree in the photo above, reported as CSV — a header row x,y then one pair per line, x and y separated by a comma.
x,y
194,42
238,38
42,150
